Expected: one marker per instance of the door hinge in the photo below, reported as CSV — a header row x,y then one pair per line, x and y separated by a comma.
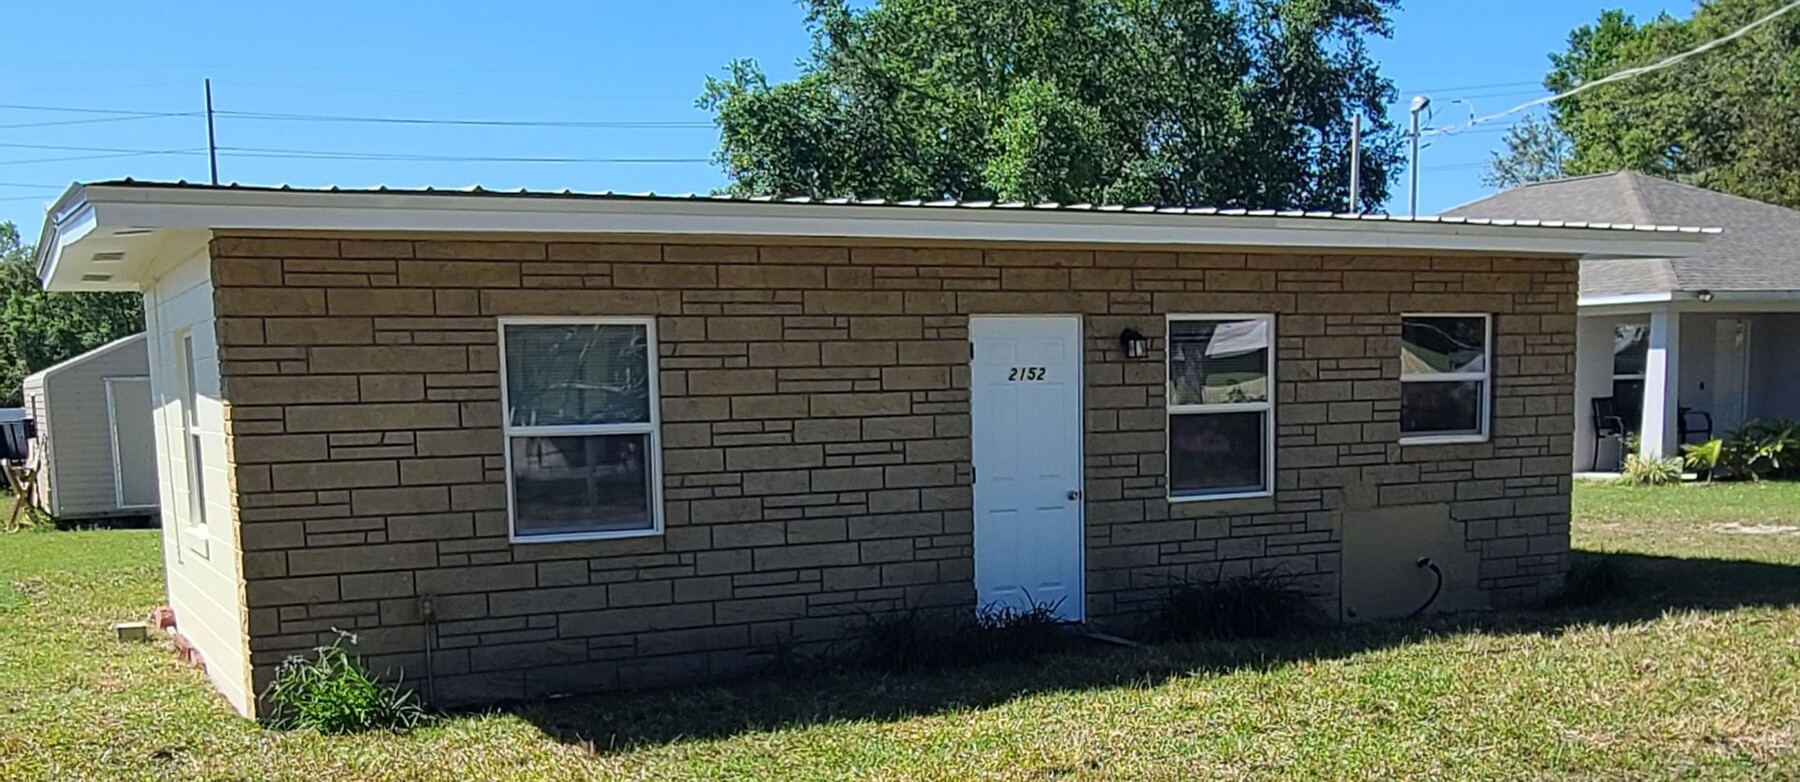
x,y
971,474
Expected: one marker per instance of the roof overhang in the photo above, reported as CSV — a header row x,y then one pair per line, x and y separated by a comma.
x,y
109,236
1777,300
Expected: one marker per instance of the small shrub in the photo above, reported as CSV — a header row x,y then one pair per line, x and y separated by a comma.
x,y
1002,632
1704,458
912,640
1258,606
1650,472
1762,448
1592,580
331,693
896,641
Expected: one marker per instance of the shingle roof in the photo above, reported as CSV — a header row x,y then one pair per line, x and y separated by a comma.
x,y
1758,251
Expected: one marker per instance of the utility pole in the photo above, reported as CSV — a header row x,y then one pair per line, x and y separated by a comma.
x,y
212,141
1355,162
1419,104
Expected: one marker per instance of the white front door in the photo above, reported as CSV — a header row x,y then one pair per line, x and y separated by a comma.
x,y
1731,344
1025,381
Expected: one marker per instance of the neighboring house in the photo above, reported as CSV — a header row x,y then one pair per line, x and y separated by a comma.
x,y
626,441
1684,346
95,454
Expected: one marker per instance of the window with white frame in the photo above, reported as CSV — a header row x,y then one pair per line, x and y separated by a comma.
x,y
1631,353
1221,406
1445,372
581,427
188,386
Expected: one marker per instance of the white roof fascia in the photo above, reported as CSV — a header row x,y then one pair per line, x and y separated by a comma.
x,y
1627,299
125,206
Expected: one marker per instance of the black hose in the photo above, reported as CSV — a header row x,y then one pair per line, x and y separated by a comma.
x,y
1425,562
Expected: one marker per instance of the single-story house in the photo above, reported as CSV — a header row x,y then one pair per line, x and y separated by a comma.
x,y
525,444
95,453
1679,349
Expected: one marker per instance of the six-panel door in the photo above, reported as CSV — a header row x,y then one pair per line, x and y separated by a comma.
x,y
1025,382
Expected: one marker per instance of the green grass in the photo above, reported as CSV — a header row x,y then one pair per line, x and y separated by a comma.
x,y
1695,674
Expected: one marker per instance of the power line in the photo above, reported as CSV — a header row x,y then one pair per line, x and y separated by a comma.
x,y
87,110
1494,86
500,123
62,148
309,154
99,119
1642,69
102,156
32,185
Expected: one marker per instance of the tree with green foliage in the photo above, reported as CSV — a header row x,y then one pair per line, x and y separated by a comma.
x,y
39,329
1726,119
1237,103
1536,151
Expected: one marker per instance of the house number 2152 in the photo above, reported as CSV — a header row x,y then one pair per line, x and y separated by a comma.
x,y
1025,373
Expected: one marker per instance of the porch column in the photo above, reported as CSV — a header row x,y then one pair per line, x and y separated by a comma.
x,y
1660,432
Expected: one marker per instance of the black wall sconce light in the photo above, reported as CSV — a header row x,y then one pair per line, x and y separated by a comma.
x,y
1133,343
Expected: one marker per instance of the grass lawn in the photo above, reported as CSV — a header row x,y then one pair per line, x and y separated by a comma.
x,y
1694,674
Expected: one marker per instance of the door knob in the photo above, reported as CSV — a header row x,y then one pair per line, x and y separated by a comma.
x,y
1074,494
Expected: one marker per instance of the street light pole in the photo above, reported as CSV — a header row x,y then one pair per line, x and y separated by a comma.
x,y
1419,104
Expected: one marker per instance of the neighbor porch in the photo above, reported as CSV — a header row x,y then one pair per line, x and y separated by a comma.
x,y
1680,370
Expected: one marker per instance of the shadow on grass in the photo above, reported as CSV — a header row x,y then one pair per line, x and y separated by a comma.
x,y
621,722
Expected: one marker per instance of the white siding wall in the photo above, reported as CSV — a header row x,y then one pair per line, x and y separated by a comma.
x,y
81,432
201,557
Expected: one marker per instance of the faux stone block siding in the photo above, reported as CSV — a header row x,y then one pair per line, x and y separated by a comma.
x,y
815,427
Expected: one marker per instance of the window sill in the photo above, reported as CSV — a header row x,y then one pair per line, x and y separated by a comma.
x,y
573,537
1236,495
1444,439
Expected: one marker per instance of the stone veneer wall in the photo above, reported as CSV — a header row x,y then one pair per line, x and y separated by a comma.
x,y
815,433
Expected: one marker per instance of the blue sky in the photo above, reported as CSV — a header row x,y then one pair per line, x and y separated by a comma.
x,y
607,61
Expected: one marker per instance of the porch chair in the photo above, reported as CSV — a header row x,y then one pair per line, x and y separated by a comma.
x,y
1704,427
1607,423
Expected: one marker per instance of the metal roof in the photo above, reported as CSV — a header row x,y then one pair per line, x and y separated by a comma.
x,y
947,203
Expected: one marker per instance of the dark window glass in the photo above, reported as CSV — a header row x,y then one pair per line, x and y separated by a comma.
x,y
1628,402
1441,408
1216,453
1440,345
568,374
594,483
1213,362
1631,348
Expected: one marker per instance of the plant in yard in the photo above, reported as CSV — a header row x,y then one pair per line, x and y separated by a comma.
x,y
1640,471
1592,580
331,693
1763,448
1704,458
1003,632
1256,606
911,639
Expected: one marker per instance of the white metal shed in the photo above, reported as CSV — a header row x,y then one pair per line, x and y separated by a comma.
x,y
94,440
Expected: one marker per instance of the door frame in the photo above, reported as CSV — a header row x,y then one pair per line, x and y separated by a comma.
x,y
112,435
1081,606
1742,355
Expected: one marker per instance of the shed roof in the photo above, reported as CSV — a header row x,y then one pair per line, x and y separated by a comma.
x,y
123,343
1759,249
